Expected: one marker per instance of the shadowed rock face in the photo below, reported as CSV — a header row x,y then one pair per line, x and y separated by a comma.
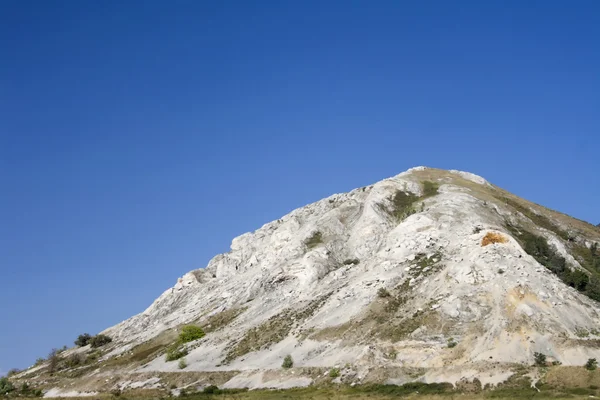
x,y
460,290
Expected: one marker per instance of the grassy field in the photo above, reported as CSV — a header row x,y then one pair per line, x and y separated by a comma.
x,y
417,391
555,382
343,395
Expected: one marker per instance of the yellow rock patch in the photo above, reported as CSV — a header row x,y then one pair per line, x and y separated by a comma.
x,y
492,237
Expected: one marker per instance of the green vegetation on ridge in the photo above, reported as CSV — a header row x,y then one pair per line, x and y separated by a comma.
x,y
538,247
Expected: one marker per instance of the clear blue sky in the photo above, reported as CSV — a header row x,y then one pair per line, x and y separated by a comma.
x,y
138,138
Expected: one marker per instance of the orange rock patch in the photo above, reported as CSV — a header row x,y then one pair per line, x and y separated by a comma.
x,y
492,237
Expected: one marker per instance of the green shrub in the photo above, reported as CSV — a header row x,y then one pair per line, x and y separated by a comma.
x,y
539,359
452,343
74,360
314,240
175,352
334,372
182,363
5,386
190,333
53,361
581,332
402,204
288,362
591,364
212,389
430,188
593,288
100,340
83,340
383,293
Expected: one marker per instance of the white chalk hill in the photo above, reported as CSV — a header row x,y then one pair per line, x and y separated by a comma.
x,y
311,284
425,269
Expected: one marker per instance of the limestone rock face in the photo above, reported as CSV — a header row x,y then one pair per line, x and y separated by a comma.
x,y
357,276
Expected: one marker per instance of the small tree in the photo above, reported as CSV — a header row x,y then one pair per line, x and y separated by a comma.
x,y
287,362
53,361
540,359
100,340
591,364
383,292
83,340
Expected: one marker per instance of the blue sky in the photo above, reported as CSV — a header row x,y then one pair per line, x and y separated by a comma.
x,y
138,138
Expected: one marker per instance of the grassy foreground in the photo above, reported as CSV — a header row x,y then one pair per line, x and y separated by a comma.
x,y
417,391
342,394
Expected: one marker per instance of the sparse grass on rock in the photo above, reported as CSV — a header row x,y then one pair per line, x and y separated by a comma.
x,y
222,319
274,330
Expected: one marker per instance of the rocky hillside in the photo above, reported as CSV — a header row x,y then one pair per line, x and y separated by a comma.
x,y
430,275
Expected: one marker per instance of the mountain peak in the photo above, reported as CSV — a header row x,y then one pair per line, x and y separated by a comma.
x,y
431,269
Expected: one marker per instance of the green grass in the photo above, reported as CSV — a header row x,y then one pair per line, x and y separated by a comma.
x,y
415,390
